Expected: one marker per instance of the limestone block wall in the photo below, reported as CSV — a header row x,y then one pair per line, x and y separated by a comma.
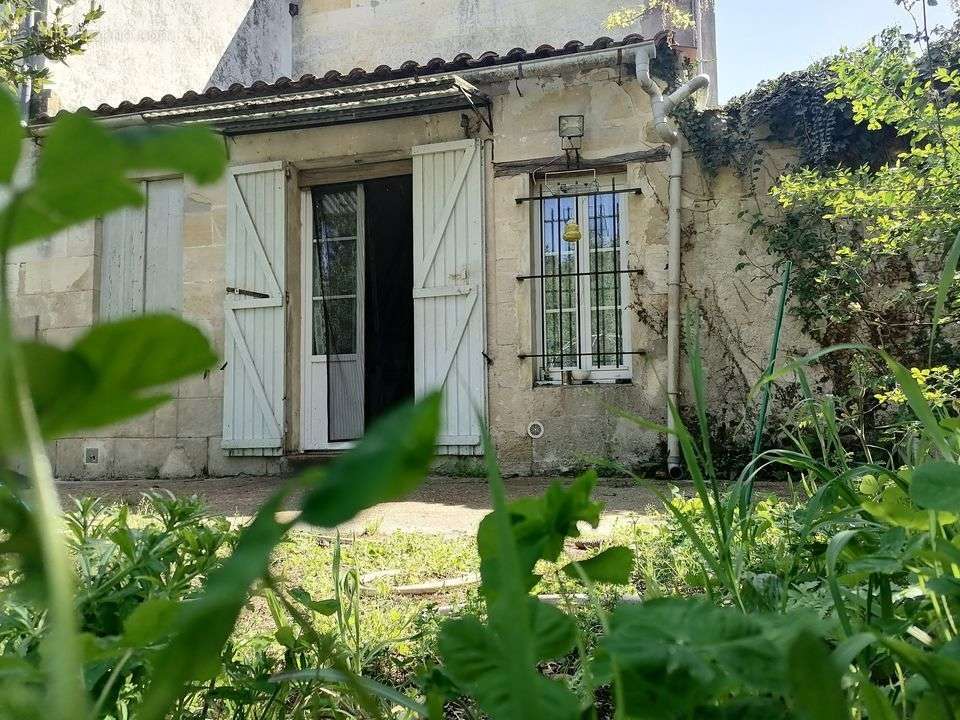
x,y
55,296
737,312
57,284
579,421
148,48
55,288
738,308
344,34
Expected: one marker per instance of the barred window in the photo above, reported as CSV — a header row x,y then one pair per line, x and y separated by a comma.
x,y
581,288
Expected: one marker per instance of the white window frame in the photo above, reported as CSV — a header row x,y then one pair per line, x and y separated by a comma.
x,y
605,374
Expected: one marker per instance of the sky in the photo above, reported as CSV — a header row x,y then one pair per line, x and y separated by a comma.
x,y
760,39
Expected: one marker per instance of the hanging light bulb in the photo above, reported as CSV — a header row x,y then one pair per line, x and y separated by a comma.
x,y
571,232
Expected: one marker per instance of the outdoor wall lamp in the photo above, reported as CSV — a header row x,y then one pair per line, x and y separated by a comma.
x,y
571,137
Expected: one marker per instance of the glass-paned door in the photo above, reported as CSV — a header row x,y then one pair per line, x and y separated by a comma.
x,y
336,309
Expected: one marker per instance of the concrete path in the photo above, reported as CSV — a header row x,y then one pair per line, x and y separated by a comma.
x,y
442,505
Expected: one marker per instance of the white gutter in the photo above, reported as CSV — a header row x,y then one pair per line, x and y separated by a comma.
x,y
545,67
539,67
662,108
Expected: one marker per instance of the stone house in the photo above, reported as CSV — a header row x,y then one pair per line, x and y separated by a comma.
x,y
492,223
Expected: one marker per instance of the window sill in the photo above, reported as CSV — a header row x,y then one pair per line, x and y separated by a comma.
x,y
584,383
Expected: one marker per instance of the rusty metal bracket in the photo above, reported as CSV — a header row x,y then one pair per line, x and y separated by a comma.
x,y
247,293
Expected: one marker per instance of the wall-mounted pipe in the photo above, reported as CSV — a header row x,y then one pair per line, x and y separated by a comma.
x,y
662,107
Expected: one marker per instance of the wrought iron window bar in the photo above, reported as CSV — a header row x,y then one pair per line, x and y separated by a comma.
x,y
588,273
592,193
573,213
524,356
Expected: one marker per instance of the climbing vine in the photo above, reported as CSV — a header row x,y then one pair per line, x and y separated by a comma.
x,y
870,202
792,109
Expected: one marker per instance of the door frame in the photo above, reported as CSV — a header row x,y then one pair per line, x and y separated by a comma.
x,y
308,388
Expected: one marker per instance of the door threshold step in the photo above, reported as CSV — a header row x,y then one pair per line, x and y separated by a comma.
x,y
307,460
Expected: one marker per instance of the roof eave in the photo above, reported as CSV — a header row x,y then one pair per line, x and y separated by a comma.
x,y
516,64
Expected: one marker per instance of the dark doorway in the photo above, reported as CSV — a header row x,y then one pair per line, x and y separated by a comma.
x,y
388,267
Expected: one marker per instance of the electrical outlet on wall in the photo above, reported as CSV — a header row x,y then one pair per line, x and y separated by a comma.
x,y
91,455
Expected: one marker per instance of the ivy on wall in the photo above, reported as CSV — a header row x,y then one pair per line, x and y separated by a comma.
x,y
870,205
791,109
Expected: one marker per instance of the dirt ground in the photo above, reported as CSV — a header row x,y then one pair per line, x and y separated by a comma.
x,y
442,505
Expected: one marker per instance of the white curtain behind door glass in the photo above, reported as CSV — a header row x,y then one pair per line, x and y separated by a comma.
x,y
337,304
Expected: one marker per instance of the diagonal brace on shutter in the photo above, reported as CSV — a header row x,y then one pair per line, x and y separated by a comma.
x,y
450,202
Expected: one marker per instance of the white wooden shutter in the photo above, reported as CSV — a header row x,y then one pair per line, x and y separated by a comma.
x,y
124,237
141,261
164,246
253,311
448,270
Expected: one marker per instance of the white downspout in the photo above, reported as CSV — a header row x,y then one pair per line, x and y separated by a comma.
x,y
662,107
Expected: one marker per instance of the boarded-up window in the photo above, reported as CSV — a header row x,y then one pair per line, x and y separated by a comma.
x,y
141,257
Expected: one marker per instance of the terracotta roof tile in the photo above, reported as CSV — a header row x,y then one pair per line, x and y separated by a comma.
x,y
357,76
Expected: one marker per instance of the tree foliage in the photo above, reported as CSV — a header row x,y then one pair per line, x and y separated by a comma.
x,y
54,39
879,234
672,15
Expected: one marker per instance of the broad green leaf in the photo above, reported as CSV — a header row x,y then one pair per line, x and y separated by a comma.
x,y
202,626
508,610
476,660
60,381
80,175
876,702
83,170
144,352
891,553
20,537
110,374
947,280
149,622
936,486
393,459
674,655
496,663
323,607
11,136
553,631
848,650
284,635
814,680
895,508
613,565
936,667
539,526
932,707
192,150
945,585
